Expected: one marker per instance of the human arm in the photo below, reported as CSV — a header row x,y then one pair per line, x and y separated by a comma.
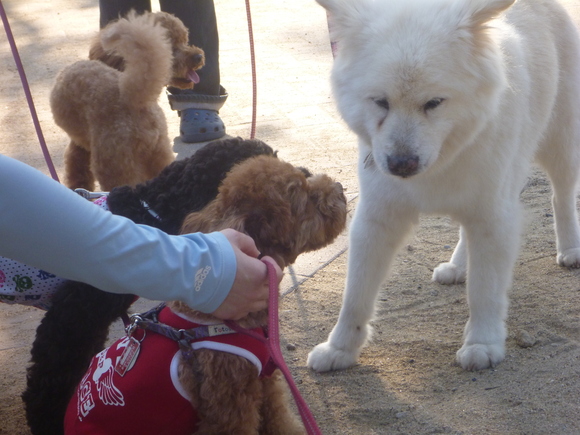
x,y
45,225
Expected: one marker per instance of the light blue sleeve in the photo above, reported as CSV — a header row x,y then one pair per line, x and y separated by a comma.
x,y
47,226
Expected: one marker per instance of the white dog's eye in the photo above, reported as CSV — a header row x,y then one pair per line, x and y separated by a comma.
x,y
382,102
432,104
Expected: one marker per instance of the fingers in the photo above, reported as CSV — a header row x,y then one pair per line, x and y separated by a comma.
x,y
248,246
242,241
250,290
254,308
237,306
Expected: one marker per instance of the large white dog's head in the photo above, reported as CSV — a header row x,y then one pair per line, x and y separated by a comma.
x,y
416,79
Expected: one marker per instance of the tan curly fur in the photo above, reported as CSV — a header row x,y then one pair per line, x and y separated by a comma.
x,y
118,131
287,213
185,57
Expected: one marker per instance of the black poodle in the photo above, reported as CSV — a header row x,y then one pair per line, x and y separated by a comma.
x,y
76,327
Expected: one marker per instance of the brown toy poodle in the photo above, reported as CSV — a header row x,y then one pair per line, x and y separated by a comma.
x,y
224,383
109,108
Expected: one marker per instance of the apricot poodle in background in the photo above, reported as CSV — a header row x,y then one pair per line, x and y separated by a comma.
x,y
287,211
117,130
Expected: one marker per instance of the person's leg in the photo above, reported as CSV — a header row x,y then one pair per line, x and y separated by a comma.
x,y
198,108
112,9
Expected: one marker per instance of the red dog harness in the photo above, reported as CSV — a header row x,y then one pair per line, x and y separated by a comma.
x,y
133,386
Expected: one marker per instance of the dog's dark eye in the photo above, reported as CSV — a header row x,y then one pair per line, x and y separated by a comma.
x,y
382,102
432,104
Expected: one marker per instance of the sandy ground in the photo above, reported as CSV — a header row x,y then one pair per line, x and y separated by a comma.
x,y
406,381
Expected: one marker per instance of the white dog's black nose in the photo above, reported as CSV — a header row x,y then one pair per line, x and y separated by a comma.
x,y
403,166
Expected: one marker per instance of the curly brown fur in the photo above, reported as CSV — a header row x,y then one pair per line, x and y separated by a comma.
x,y
286,213
231,399
185,56
76,326
283,210
118,131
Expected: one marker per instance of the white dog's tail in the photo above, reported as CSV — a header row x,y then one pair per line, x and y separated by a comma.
x,y
147,52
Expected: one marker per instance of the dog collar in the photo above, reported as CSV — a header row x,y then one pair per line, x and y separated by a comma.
x,y
90,195
150,210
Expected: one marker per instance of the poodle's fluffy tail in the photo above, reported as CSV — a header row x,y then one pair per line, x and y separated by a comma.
x,y
148,57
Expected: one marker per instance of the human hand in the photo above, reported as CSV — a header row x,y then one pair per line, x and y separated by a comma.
x,y
250,290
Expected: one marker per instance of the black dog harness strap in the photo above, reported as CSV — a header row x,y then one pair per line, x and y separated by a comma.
x,y
149,321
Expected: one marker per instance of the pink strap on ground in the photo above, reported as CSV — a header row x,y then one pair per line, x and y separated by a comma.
x,y
27,93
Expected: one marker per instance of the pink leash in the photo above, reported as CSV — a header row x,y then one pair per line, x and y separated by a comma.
x,y
27,92
333,44
253,63
273,343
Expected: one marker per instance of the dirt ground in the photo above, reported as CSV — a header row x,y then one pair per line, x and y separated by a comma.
x,y
406,381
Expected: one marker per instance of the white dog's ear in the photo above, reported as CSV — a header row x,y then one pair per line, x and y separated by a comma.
x,y
483,11
343,15
331,6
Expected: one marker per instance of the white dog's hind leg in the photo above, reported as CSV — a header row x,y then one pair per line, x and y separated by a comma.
x,y
563,173
567,228
559,155
455,271
374,241
493,250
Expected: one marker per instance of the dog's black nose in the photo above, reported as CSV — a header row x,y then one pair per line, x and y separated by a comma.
x,y
197,58
403,166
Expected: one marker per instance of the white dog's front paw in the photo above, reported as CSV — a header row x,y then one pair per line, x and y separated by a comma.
x,y
325,357
449,273
569,258
475,357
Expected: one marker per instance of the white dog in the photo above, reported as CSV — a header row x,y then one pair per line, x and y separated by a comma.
x,y
452,100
